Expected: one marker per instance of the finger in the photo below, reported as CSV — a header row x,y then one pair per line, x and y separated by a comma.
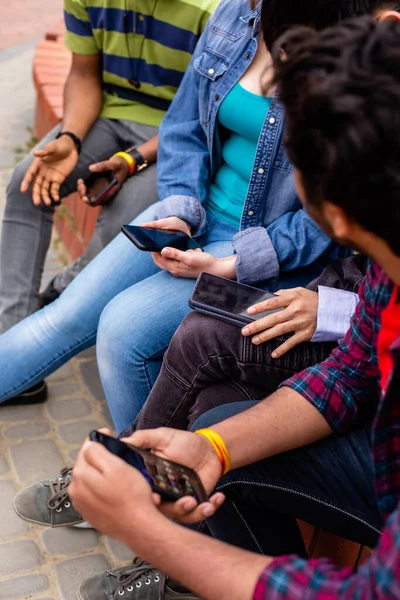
x,y
36,190
270,304
55,191
45,192
273,333
199,513
289,344
99,457
29,176
156,439
106,165
266,323
173,254
82,190
158,224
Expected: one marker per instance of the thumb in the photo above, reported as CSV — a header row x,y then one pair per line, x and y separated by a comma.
x,y
48,150
150,438
101,166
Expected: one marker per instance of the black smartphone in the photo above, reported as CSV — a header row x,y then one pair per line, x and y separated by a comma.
x,y
171,480
98,186
228,300
154,240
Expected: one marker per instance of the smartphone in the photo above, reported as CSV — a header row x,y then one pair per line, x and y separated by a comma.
x,y
98,186
228,300
154,240
171,480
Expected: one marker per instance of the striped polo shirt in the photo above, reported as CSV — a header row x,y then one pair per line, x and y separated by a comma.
x,y
149,41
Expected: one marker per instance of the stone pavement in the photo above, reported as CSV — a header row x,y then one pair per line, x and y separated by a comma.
x,y
37,441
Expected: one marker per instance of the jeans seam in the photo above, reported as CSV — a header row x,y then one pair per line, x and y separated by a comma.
x,y
250,532
282,488
13,390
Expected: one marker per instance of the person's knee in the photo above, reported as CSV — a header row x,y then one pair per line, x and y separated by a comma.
x,y
112,329
192,341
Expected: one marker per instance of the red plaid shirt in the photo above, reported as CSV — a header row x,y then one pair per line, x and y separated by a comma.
x,y
346,390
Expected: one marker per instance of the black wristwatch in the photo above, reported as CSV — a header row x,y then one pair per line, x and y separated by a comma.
x,y
141,163
73,137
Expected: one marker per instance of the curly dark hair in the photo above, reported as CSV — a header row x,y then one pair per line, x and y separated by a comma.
x,y
279,15
341,93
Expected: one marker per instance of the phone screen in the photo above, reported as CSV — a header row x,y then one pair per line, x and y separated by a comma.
x,y
229,296
98,185
157,239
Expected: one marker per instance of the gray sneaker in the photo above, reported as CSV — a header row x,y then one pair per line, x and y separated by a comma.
x,y
138,581
47,502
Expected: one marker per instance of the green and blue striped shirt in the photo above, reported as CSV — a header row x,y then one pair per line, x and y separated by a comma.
x,y
151,41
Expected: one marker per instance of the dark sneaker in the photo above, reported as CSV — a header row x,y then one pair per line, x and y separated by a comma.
x,y
49,295
138,581
47,502
34,395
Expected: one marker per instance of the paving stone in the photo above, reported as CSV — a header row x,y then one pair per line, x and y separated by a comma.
x,y
70,408
73,455
88,353
69,540
23,587
36,460
21,413
105,411
66,388
71,573
27,430
18,556
119,551
3,465
75,433
91,377
63,373
10,523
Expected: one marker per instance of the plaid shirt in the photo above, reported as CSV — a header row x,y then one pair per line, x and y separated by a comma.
x,y
345,389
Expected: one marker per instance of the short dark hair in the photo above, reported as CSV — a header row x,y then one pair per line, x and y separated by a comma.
x,y
341,93
279,15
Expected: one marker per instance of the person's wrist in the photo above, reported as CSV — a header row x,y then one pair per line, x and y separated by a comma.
x,y
129,160
66,143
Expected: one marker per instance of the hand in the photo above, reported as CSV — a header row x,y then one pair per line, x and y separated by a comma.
x,y
49,170
109,493
173,223
299,316
117,165
191,263
192,451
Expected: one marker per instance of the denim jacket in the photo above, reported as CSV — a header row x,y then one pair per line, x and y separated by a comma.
x,y
276,234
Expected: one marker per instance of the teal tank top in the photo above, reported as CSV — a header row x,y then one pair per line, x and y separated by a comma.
x,y
241,117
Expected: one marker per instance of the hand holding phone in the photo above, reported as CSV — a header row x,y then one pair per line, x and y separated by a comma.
x,y
166,478
99,186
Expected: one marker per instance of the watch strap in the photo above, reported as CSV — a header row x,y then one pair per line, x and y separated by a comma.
x,y
141,162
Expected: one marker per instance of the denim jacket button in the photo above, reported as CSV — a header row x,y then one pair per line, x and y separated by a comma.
x,y
250,213
272,121
247,56
261,171
211,71
217,97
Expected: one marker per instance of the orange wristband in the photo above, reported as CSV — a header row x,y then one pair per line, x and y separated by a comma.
x,y
219,446
130,160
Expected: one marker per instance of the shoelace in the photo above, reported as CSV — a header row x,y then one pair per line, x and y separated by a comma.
x,y
140,573
59,489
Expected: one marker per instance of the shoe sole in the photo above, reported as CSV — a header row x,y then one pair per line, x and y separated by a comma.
x,y
74,524
39,396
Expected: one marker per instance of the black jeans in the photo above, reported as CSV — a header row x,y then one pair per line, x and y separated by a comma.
x,y
209,363
329,484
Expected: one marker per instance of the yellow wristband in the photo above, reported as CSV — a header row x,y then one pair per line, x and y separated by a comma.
x,y
219,446
128,158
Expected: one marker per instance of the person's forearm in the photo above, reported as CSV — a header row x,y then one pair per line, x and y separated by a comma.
x,y
283,421
212,569
149,150
83,100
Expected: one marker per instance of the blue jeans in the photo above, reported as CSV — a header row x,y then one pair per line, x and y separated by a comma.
x,y
329,484
122,300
